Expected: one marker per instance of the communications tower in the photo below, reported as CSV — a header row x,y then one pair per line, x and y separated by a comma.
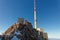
x,y
35,16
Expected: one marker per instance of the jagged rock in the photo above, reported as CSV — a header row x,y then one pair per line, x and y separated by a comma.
x,y
22,31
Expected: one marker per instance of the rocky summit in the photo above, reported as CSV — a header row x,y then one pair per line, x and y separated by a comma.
x,y
23,30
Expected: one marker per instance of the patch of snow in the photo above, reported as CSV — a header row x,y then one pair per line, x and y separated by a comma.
x,y
14,38
17,32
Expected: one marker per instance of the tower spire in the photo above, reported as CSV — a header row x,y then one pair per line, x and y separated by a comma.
x,y
35,18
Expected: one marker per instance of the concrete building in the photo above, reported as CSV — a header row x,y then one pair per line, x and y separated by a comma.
x,y
21,20
45,35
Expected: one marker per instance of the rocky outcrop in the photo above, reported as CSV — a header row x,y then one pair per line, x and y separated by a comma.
x,y
23,31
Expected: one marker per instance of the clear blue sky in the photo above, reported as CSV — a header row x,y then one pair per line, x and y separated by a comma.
x,y
48,14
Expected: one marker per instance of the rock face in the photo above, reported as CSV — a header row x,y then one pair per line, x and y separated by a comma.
x,y
22,31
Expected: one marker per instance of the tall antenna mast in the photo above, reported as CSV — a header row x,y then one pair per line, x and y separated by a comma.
x,y
35,18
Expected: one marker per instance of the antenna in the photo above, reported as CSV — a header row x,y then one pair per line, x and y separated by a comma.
x,y
35,17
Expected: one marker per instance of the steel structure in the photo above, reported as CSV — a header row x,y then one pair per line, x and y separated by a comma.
x,y
35,16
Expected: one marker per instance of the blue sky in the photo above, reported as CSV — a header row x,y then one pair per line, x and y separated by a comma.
x,y
48,14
